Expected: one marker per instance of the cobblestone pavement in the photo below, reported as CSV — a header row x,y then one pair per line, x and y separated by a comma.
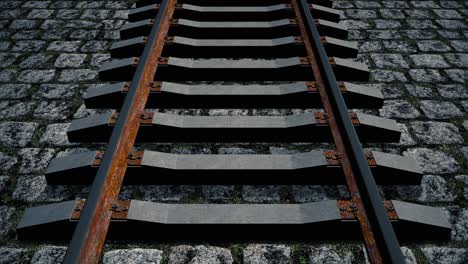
x,y
49,54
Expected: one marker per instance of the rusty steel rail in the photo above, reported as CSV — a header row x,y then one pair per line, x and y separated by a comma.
x,y
380,239
90,233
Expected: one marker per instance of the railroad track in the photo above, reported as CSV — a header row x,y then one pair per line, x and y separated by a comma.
x,y
233,54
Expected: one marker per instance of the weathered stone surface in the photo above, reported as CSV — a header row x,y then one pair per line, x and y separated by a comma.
x,y
49,255
267,254
399,109
437,133
432,189
261,193
11,255
3,182
199,255
17,133
14,91
314,193
409,256
70,60
426,76
56,135
34,160
133,256
64,46
7,161
459,220
453,91
389,61
218,192
36,76
433,161
35,61
53,110
329,254
15,110
429,61
77,75
55,91
464,180
419,91
440,109
442,255
166,193
34,188
5,215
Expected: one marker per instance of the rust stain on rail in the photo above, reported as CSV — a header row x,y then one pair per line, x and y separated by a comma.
x,y
361,215
102,215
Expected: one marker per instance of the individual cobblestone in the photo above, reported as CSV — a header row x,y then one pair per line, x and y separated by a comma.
x,y
437,133
17,133
133,256
399,109
5,215
56,135
55,91
53,110
433,161
34,189
331,255
12,255
36,76
442,255
49,255
34,160
439,109
267,254
70,60
199,254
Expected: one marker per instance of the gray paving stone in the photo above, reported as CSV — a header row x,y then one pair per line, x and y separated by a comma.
x,y
23,24
26,35
64,46
459,45
34,189
261,193
133,256
424,4
69,14
453,91
199,254
10,4
62,4
56,135
28,45
55,91
459,221
51,24
443,255
11,255
166,193
429,61
95,46
433,161
449,34
384,34
456,75
40,13
34,160
399,46
36,76
399,109
70,60
89,4
15,110
419,91
36,4
84,34
7,59
450,4
420,34
7,161
435,189
451,24
4,45
439,109
406,139
49,255
392,13
236,151
330,254
420,23
361,14
458,59
419,13
98,59
5,215
267,254
409,256
77,75
428,76
35,61
395,4
55,34
389,61
314,193
7,75
388,76
53,110
447,13
370,46
437,133
17,134
4,180
218,192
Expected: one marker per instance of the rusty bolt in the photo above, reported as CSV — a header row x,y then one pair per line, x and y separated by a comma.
x,y
125,209
77,209
352,206
343,208
115,206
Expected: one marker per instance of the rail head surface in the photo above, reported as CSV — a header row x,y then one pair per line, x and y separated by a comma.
x,y
387,246
90,233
